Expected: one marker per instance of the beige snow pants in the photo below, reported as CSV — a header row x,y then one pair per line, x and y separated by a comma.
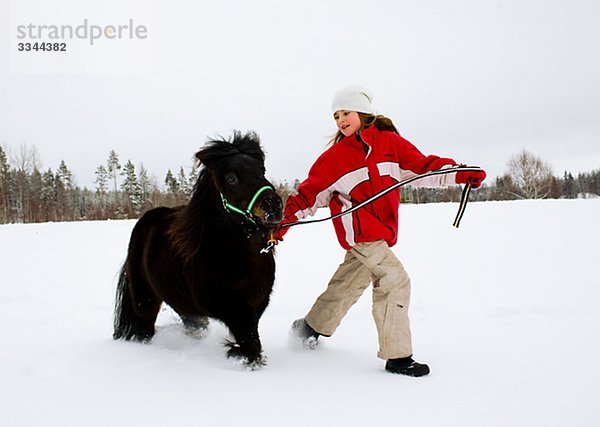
x,y
365,263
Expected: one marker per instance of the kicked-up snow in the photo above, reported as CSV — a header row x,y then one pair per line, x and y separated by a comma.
x,y
505,310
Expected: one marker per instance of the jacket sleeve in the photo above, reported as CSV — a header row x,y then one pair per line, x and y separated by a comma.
x,y
412,162
313,193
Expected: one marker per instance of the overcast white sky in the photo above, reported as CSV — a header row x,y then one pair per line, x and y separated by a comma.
x,y
474,80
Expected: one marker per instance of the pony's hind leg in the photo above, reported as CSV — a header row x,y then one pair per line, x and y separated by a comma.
x,y
195,326
135,310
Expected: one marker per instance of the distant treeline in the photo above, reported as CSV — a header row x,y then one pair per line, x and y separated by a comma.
x,y
28,194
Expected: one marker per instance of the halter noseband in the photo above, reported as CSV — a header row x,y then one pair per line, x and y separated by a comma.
x,y
248,212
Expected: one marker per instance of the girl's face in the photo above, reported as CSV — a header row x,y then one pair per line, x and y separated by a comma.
x,y
348,122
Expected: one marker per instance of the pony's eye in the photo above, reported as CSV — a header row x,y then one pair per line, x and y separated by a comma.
x,y
231,178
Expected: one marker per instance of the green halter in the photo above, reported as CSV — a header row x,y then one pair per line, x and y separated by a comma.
x,y
248,212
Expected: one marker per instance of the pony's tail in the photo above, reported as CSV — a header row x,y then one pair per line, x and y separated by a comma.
x,y
124,317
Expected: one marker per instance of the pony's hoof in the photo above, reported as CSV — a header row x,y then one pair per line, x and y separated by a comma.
x,y
195,327
251,362
256,364
196,334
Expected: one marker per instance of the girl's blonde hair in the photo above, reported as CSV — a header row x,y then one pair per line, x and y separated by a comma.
x,y
380,122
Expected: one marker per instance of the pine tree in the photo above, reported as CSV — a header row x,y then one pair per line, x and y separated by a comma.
x,y
48,195
595,182
102,184
569,186
145,188
65,178
131,188
61,197
171,183
4,187
581,186
65,175
36,212
184,184
113,166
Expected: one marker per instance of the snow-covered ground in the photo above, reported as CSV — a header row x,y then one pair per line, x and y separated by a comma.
x,y
506,311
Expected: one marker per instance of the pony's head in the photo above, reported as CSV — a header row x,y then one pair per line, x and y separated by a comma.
x,y
236,168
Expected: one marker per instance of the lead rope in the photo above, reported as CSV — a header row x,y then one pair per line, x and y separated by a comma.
x,y
464,198
386,191
461,208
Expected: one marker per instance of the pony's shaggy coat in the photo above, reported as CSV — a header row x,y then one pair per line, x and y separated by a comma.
x,y
202,260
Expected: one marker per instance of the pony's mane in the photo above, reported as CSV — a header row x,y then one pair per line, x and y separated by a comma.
x,y
247,144
186,230
218,150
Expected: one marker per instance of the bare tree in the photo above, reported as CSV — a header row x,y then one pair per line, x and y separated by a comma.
x,y
27,159
532,177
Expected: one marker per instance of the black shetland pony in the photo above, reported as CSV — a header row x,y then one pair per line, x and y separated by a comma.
x,y
204,259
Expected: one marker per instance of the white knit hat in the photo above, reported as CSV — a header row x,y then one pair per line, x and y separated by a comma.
x,y
353,98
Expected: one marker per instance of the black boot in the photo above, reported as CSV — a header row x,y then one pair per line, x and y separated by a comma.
x,y
305,334
406,366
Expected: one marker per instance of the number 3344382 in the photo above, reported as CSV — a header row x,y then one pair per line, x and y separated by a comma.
x,y
45,47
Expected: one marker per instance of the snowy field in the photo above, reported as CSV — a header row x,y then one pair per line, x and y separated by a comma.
x,y
505,310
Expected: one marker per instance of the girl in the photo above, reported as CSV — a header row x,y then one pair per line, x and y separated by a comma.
x,y
367,155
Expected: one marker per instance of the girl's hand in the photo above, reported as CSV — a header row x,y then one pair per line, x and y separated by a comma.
x,y
473,178
278,234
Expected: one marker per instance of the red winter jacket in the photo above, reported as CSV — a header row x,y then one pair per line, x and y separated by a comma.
x,y
350,172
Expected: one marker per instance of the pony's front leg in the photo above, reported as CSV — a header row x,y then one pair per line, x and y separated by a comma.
x,y
243,324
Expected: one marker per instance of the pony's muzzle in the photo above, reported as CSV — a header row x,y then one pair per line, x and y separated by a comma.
x,y
269,209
